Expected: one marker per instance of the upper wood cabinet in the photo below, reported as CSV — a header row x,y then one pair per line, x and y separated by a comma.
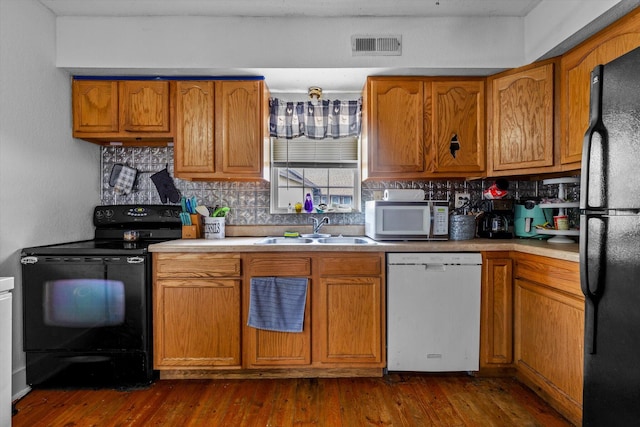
x,y
240,127
221,130
417,127
393,129
521,121
127,111
194,155
610,43
144,106
457,127
95,107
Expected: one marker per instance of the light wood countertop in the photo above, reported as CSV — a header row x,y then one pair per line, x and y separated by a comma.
x,y
564,251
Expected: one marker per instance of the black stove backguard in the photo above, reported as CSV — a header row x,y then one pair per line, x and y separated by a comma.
x,y
87,305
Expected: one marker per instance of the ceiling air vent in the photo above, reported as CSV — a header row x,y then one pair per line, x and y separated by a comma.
x,y
372,45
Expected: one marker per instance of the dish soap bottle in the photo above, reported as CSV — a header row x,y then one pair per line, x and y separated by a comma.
x,y
308,203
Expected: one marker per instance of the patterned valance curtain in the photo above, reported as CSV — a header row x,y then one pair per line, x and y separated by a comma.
x,y
324,119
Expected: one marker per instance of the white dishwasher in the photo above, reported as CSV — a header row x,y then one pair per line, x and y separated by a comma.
x,y
433,311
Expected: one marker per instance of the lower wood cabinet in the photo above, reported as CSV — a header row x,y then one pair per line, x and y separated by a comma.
x,y
496,323
197,311
201,306
264,348
349,310
549,331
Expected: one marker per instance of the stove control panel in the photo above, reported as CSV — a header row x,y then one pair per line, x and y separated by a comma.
x,y
110,215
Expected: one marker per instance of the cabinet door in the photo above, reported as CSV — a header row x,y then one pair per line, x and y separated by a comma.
x,y
95,106
240,127
521,131
395,133
349,323
264,348
549,330
194,144
457,126
197,323
496,333
145,106
614,41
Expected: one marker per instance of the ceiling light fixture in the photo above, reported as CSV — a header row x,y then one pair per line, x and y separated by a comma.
x,y
315,91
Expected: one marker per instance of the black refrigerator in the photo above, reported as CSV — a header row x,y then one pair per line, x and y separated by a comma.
x,y
610,245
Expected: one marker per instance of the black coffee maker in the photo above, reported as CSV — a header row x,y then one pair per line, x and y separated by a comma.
x,y
497,222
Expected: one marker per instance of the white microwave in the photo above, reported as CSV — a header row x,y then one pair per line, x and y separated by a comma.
x,y
396,220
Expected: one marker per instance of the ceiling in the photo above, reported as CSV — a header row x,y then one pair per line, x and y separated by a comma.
x,y
291,7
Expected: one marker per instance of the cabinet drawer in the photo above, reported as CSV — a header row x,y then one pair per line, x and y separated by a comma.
x,y
559,274
196,265
350,265
277,265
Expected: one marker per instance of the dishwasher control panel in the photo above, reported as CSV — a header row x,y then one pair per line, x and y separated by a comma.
x,y
453,258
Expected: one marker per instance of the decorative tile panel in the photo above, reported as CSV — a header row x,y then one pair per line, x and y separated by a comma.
x,y
249,201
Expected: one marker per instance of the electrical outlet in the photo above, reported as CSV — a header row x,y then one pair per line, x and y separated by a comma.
x,y
461,199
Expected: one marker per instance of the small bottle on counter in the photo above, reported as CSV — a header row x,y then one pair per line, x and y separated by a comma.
x,y
308,203
290,208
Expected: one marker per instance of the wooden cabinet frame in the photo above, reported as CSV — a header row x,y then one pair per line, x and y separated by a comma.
x,y
496,325
521,120
549,330
128,112
410,123
271,349
222,130
576,66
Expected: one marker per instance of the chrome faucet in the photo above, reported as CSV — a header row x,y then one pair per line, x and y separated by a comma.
x,y
317,225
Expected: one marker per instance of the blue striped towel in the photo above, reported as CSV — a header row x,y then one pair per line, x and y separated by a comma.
x,y
277,303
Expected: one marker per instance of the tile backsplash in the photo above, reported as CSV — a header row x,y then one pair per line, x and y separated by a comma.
x,y
249,201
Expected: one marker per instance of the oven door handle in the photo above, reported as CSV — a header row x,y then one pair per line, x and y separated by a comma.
x,y
135,260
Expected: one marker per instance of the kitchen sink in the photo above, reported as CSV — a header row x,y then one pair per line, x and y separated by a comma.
x,y
340,240
337,240
284,241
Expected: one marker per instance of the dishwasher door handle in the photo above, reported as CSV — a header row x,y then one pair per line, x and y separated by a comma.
x,y
435,268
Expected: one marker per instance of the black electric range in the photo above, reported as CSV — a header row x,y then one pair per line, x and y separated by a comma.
x,y
87,304
154,223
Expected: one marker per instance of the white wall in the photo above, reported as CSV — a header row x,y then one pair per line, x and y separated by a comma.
x,y
553,21
49,182
321,47
284,49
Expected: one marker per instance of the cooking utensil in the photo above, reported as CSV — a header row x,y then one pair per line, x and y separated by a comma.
x,y
185,218
220,211
202,210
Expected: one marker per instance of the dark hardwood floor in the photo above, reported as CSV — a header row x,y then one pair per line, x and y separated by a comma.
x,y
393,400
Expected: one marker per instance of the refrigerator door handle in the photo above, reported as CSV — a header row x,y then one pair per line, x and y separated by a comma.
x,y
596,127
592,274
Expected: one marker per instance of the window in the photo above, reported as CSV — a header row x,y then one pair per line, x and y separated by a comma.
x,y
328,170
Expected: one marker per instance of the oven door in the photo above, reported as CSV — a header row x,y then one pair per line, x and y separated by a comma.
x,y
84,303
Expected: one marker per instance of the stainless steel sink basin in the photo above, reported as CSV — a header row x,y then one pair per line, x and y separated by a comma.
x,y
284,241
337,240
346,241
315,235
